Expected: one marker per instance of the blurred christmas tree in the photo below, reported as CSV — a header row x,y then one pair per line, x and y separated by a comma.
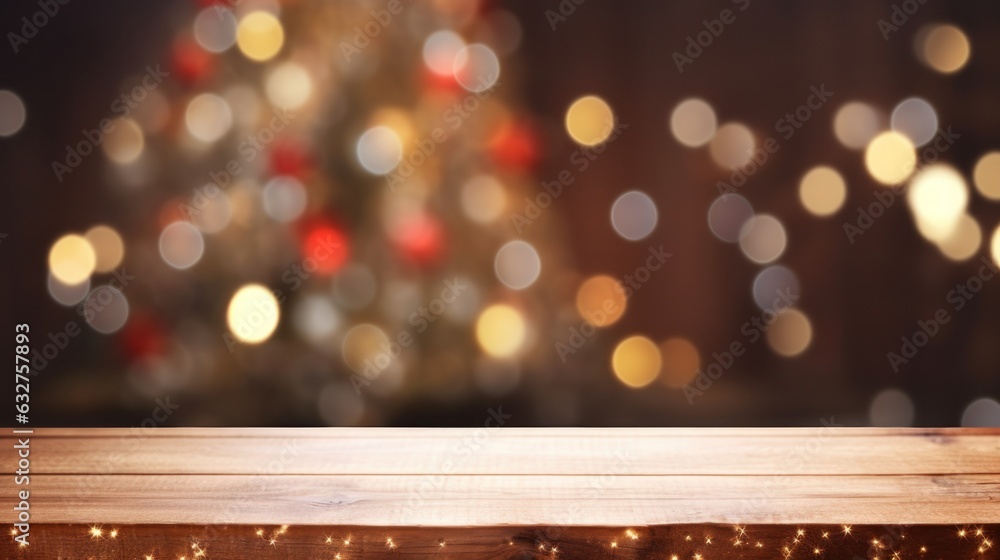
x,y
324,193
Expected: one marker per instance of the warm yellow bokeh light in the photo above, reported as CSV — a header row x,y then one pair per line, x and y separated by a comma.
x,y
680,361
601,300
253,314
124,144
890,158
944,48
501,331
108,247
937,197
995,245
986,175
288,86
732,145
260,36
589,120
693,122
72,259
822,191
790,334
636,361
963,243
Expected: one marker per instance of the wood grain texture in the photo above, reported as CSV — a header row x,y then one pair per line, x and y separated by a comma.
x,y
511,477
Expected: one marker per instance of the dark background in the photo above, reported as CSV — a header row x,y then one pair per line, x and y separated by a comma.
x,y
860,298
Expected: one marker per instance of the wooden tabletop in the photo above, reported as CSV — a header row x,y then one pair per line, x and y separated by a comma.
x,y
490,477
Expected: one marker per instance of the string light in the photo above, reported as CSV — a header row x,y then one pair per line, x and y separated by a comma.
x,y
390,544
630,533
96,532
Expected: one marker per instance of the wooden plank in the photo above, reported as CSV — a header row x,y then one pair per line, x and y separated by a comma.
x,y
513,452
488,500
687,542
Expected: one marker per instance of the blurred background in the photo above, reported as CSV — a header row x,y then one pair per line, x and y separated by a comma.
x,y
298,213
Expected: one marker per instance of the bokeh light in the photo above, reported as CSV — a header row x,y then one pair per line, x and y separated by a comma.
x,y
856,124
440,50
773,283
284,199
601,300
633,215
260,36
589,120
822,191
636,361
364,350
986,175
693,122
215,29
476,68
124,144
732,145
316,318
72,259
67,294
964,241
483,199
790,334
213,214
891,408
727,215
108,246
12,113
680,361
379,150
501,331
937,197
995,245
253,314
943,48
517,265
181,245
208,117
982,413
917,119
108,309
763,239
890,158
288,86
